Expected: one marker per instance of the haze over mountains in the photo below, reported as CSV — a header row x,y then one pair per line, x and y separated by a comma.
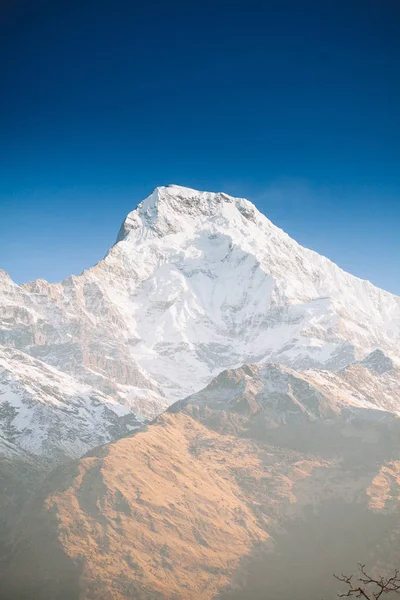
x,y
283,373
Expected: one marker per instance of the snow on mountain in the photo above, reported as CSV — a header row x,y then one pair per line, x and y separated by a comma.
x,y
46,413
196,283
223,285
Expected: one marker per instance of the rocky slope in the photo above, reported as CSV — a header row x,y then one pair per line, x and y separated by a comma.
x,y
258,487
197,282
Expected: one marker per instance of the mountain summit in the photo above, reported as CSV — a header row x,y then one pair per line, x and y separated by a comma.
x,y
196,283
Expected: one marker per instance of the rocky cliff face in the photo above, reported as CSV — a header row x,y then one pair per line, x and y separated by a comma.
x,y
197,283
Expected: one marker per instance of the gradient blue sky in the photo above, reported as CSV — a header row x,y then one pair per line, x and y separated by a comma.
x,y
293,104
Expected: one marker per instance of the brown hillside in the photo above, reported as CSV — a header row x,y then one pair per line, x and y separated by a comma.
x,y
182,511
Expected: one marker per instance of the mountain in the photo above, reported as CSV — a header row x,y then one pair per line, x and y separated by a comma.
x,y
196,283
250,390
257,487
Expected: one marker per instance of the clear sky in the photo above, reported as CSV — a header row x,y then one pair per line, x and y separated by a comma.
x,y
293,104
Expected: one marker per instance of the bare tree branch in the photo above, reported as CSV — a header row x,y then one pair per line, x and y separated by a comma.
x,y
367,587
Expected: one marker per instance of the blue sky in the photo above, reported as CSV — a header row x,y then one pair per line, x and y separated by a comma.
x,y
291,104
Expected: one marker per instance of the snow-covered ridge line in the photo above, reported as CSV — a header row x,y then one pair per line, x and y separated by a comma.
x,y
189,202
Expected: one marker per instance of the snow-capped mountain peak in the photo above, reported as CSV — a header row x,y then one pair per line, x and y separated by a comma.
x,y
196,283
171,209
